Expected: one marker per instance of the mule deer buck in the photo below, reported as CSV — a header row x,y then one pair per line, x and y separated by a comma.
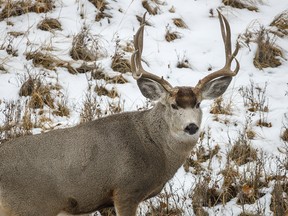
x,y
119,160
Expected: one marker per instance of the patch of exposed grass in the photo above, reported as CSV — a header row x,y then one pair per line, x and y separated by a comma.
x,y
267,54
49,24
171,35
240,4
17,8
179,23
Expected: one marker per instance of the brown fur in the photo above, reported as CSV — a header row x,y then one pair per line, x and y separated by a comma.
x,y
186,98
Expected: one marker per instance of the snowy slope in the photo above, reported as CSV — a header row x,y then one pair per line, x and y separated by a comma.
x,y
200,44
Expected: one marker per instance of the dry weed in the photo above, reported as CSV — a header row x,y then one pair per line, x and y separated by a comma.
x,y
240,4
17,8
281,23
267,54
101,5
242,152
45,60
279,201
17,120
87,47
179,23
171,36
151,10
219,107
49,24
284,135
102,91
120,64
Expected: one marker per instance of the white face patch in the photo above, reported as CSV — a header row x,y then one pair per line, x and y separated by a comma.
x,y
179,119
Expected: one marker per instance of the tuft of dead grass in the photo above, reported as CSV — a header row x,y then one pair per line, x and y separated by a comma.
x,y
267,54
171,36
45,60
151,10
219,107
242,152
240,4
281,23
102,91
179,23
49,24
102,6
17,8
87,47
279,202
120,64
284,135
17,120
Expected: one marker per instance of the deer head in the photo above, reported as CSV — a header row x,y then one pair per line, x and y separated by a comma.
x,y
183,113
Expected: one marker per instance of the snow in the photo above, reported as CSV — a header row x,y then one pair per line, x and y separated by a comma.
x,y
200,43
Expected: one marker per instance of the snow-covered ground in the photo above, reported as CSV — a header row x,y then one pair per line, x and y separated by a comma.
x,y
200,44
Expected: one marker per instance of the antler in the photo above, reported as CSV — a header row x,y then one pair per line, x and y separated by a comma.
x,y
136,66
226,70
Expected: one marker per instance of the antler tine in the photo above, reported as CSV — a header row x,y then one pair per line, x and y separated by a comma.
x,y
136,65
226,70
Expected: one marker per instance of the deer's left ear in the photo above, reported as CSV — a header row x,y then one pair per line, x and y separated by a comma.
x,y
151,89
215,88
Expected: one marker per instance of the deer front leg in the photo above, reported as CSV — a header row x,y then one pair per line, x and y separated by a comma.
x,y
125,205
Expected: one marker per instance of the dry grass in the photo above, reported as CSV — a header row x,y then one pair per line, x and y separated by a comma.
x,y
49,24
17,8
87,47
219,107
102,91
179,23
45,60
242,152
279,202
171,36
281,23
284,135
120,64
240,4
254,97
151,10
267,54
102,6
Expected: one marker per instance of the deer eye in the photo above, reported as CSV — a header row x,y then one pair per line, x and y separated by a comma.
x,y
174,106
197,105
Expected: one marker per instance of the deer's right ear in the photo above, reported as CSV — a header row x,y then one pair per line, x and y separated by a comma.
x,y
151,89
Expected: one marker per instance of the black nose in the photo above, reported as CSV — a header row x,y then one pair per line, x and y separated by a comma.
x,y
191,129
